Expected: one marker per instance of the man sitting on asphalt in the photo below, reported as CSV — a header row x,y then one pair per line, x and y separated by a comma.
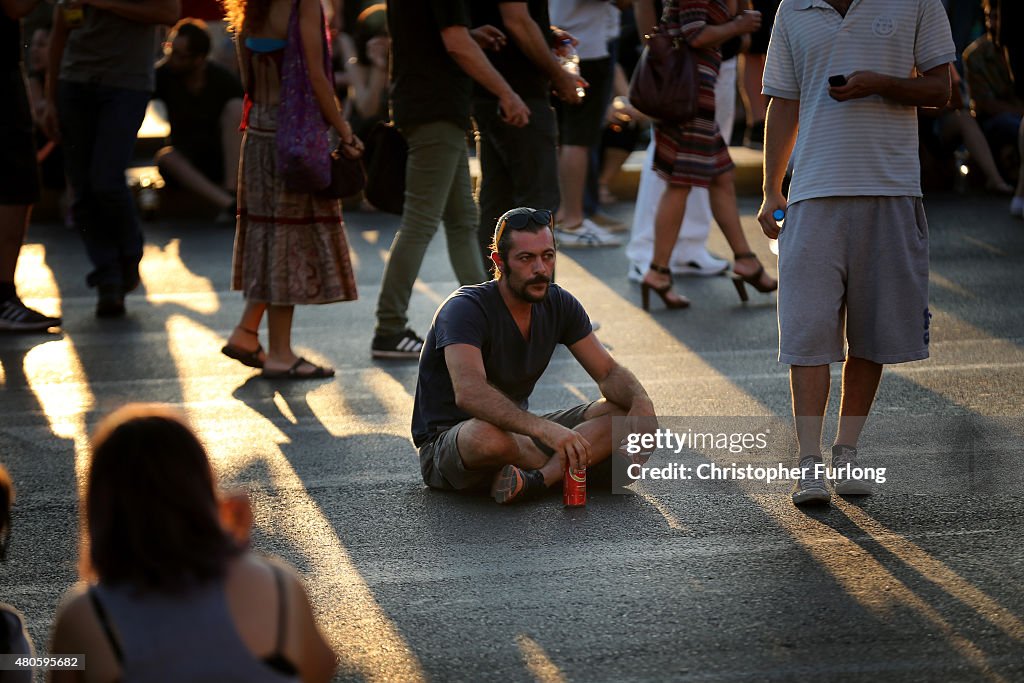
x,y
204,107
485,351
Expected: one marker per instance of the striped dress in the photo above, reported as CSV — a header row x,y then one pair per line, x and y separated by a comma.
x,y
694,152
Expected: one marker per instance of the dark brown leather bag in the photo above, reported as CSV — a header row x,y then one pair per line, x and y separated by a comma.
x,y
664,83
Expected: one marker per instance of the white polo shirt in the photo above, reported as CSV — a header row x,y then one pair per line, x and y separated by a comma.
x,y
863,147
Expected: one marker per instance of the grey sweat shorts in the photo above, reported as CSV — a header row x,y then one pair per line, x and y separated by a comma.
x,y
853,269
442,466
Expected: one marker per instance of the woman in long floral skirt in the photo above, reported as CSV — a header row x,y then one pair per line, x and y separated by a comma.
x,y
290,248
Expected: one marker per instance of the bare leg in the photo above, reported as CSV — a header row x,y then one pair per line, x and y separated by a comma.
x,y
724,208
809,385
13,226
231,141
979,150
614,157
752,67
245,336
280,355
572,174
175,164
667,221
860,383
482,446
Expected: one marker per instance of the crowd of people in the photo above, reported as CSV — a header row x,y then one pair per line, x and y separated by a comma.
x,y
536,80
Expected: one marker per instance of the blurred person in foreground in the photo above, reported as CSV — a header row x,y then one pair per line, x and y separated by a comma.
x,y
846,79
14,639
171,591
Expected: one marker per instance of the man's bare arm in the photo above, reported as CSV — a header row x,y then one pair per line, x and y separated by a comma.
x,y
930,89
780,128
471,58
617,384
528,36
646,20
148,12
475,395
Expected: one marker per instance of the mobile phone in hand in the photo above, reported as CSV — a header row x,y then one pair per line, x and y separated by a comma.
x,y
837,81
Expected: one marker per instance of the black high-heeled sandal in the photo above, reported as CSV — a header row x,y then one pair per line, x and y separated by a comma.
x,y
646,288
754,279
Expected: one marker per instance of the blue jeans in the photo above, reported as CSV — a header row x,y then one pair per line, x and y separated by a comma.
x,y
98,125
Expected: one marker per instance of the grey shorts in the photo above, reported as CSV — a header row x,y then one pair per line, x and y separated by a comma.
x,y
853,270
442,466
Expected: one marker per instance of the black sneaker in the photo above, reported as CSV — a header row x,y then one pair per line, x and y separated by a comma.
x,y
404,345
514,484
110,303
17,317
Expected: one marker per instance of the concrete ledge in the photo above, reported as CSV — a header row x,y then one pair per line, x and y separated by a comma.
x,y
625,184
748,173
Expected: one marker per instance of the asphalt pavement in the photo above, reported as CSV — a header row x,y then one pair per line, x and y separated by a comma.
x,y
680,581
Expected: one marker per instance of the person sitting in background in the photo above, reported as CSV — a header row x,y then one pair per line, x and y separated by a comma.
x,y
49,153
14,639
998,107
947,128
366,61
204,108
168,571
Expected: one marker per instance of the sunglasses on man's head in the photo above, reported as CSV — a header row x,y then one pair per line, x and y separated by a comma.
x,y
518,221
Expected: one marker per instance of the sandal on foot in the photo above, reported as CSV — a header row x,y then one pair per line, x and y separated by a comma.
x,y
754,279
318,372
247,358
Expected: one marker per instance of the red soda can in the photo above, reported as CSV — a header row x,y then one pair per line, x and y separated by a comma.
x,y
574,486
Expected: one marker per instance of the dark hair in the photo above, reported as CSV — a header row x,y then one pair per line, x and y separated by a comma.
x,y
194,31
371,23
151,516
6,500
503,242
243,15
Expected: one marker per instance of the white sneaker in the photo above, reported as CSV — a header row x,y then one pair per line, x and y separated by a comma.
x,y
844,464
811,489
587,235
1017,207
700,263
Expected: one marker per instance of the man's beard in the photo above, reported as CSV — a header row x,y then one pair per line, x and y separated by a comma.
x,y
523,293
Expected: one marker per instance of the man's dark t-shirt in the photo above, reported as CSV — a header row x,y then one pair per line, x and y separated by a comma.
x,y
523,75
477,315
426,83
195,117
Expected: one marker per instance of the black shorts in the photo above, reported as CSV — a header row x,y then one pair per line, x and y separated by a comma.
x,y
19,172
581,124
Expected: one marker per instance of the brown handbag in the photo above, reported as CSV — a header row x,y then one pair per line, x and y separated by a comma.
x,y
664,83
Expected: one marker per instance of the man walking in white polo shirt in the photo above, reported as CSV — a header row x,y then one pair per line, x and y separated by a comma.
x,y
853,252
